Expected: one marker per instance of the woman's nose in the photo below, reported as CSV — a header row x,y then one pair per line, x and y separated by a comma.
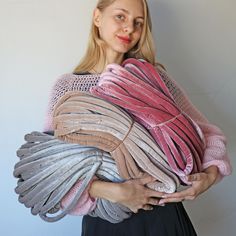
x,y
128,27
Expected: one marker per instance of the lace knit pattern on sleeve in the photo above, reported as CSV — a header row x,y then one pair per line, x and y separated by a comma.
x,y
65,83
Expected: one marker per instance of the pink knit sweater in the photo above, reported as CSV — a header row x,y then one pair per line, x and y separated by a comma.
x,y
215,152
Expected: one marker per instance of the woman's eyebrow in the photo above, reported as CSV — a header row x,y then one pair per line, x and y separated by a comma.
x,y
126,11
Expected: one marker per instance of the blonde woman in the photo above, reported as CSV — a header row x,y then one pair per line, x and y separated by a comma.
x,y
122,29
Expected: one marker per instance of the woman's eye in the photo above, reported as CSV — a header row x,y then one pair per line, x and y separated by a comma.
x,y
120,17
138,24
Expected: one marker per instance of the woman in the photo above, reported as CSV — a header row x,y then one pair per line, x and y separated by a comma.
x,y
122,29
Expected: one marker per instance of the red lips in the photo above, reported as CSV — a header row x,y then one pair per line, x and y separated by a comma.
x,y
124,39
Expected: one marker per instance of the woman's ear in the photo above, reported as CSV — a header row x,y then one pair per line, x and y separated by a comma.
x,y
97,17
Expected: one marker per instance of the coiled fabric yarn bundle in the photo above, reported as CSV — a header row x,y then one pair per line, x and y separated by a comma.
x,y
49,168
88,120
137,87
94,136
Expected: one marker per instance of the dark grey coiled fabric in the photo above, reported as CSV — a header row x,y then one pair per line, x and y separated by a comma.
x,y
48,168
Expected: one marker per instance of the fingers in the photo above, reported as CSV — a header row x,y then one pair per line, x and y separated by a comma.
x,y
149,198
149,192
147,208
154,194
181,194
153,201
174,197
147,205
187,194
134,210
169,200
146,179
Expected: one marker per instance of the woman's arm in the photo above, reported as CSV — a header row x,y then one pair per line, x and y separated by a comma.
x,y
132,193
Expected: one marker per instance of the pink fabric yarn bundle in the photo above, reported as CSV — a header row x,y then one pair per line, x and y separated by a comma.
x,y
137,87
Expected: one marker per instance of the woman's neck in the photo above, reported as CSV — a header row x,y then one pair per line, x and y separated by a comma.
x,y
111,57
114,57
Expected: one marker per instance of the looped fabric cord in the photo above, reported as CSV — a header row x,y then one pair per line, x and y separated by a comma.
x,y
90,121
137,87
126,135
49,168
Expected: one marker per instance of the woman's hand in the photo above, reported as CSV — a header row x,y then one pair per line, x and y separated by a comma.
x,y
132,193
200,182
135,195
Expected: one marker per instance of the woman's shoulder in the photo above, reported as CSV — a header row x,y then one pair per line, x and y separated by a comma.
x,y
64,78
174,88
75,81
69,76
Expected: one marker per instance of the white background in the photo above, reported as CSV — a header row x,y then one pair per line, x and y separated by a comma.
x,y
42,39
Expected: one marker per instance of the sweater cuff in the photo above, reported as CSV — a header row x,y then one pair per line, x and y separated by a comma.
x,y
224,168
86,203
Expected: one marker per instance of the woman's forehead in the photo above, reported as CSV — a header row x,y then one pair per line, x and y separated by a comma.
x,y
134,7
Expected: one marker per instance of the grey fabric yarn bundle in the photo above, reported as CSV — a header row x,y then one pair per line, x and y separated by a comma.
x,y
49,167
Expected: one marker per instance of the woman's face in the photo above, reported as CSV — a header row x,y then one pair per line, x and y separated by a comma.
x,y
120,25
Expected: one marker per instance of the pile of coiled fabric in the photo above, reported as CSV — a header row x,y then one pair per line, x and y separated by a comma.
x,y
95,137
88,120
137,87
49,168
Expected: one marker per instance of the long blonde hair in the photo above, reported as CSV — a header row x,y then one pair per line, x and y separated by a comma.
x,y
95,51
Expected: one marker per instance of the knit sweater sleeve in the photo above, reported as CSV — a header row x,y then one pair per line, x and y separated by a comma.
x,y
60,87
65,83
215,151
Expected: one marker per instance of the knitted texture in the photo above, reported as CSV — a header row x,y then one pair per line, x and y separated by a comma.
x,y
215,151
65,83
